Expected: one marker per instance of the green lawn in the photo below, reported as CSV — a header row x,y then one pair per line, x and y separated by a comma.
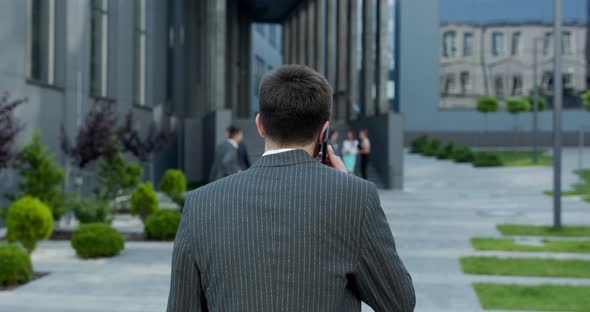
x,y
522,158
536,230
508,244
578,189
526,267
540,298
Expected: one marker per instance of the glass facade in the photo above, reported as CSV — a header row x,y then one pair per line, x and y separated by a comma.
x,y
99,48
497,45
140,53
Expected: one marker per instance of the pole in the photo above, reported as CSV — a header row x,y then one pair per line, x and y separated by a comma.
x,y
557,102
535,98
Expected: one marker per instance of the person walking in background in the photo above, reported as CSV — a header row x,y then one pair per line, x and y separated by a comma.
x,y
364,151
243,155
350,150
333,141
226,161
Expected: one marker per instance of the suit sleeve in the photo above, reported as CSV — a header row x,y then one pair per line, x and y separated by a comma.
x,y
186,293
381,278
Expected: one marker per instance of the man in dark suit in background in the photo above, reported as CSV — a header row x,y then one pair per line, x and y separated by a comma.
x,y
290,233
226,161
243,155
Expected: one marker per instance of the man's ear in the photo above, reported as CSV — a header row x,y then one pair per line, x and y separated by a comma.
x,y
259,126
322,133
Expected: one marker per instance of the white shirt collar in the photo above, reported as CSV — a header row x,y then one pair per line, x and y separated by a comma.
x,y
234,144
276,151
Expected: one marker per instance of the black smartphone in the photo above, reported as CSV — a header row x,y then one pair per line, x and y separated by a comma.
x,y
324,148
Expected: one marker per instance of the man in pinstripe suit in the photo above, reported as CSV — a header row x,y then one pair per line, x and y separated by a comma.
x,y
290,233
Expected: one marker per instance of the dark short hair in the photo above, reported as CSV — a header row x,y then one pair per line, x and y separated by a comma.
x,y
295,102
232,131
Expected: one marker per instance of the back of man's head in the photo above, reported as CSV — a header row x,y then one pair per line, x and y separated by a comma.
x,y
295,103
233,132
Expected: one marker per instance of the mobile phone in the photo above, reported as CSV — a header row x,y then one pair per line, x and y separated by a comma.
x,y
324,148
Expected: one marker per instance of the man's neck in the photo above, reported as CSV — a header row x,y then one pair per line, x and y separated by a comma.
x,y
271,146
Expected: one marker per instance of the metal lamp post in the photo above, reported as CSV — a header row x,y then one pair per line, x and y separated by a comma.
x,y
535,98
557,103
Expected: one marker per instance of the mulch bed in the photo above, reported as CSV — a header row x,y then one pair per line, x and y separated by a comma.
x,y
61,235
36,276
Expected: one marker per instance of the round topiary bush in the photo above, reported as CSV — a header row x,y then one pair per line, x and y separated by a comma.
x,y
432,148
162,225
173,182
96,240
15,265
144,200
28,221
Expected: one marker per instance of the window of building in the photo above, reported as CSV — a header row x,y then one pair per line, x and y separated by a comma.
x,y
449,44
516,43
41,40
547,41
517,85
497,44
568,80
259,70
170,71
140,52
467,44
465,82
499,86
272,35
450,84
99,48
547,80
566,43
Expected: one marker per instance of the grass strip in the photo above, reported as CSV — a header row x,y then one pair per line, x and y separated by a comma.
x,y
526,267
540,230
508,244
539,298
522,159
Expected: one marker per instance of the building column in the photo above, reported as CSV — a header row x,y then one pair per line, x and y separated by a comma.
x,y
310,13
382,56
301,42
287,41
342,60
353,73
245,58
368,106
331,41
320,36
233,46
217,34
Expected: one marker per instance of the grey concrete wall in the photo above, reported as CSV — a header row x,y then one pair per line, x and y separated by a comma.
x,y
418,79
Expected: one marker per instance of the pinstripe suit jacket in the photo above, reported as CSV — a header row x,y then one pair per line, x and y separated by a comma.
x,y
289,234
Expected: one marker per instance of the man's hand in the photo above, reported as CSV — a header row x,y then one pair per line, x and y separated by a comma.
x,y
334,161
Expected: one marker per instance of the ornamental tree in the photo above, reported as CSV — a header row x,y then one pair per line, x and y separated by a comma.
x,y
10,127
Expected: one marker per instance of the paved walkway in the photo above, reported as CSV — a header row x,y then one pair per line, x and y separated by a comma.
x,y
442,206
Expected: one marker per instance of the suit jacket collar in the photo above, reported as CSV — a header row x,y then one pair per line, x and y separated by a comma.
x,y
297,156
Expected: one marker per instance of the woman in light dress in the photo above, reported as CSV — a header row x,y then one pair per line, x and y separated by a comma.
x,y
350,150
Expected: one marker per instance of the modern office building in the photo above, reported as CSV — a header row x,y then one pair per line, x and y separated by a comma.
x,y
194,67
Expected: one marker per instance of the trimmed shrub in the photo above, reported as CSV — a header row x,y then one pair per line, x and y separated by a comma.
x,y
162,225
463,154
432,148
29,220
15,265
542,103
586,100
144,200
487,104
516,105
173,182
92,210
96,240
486,159
447,151
116,176
418,145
